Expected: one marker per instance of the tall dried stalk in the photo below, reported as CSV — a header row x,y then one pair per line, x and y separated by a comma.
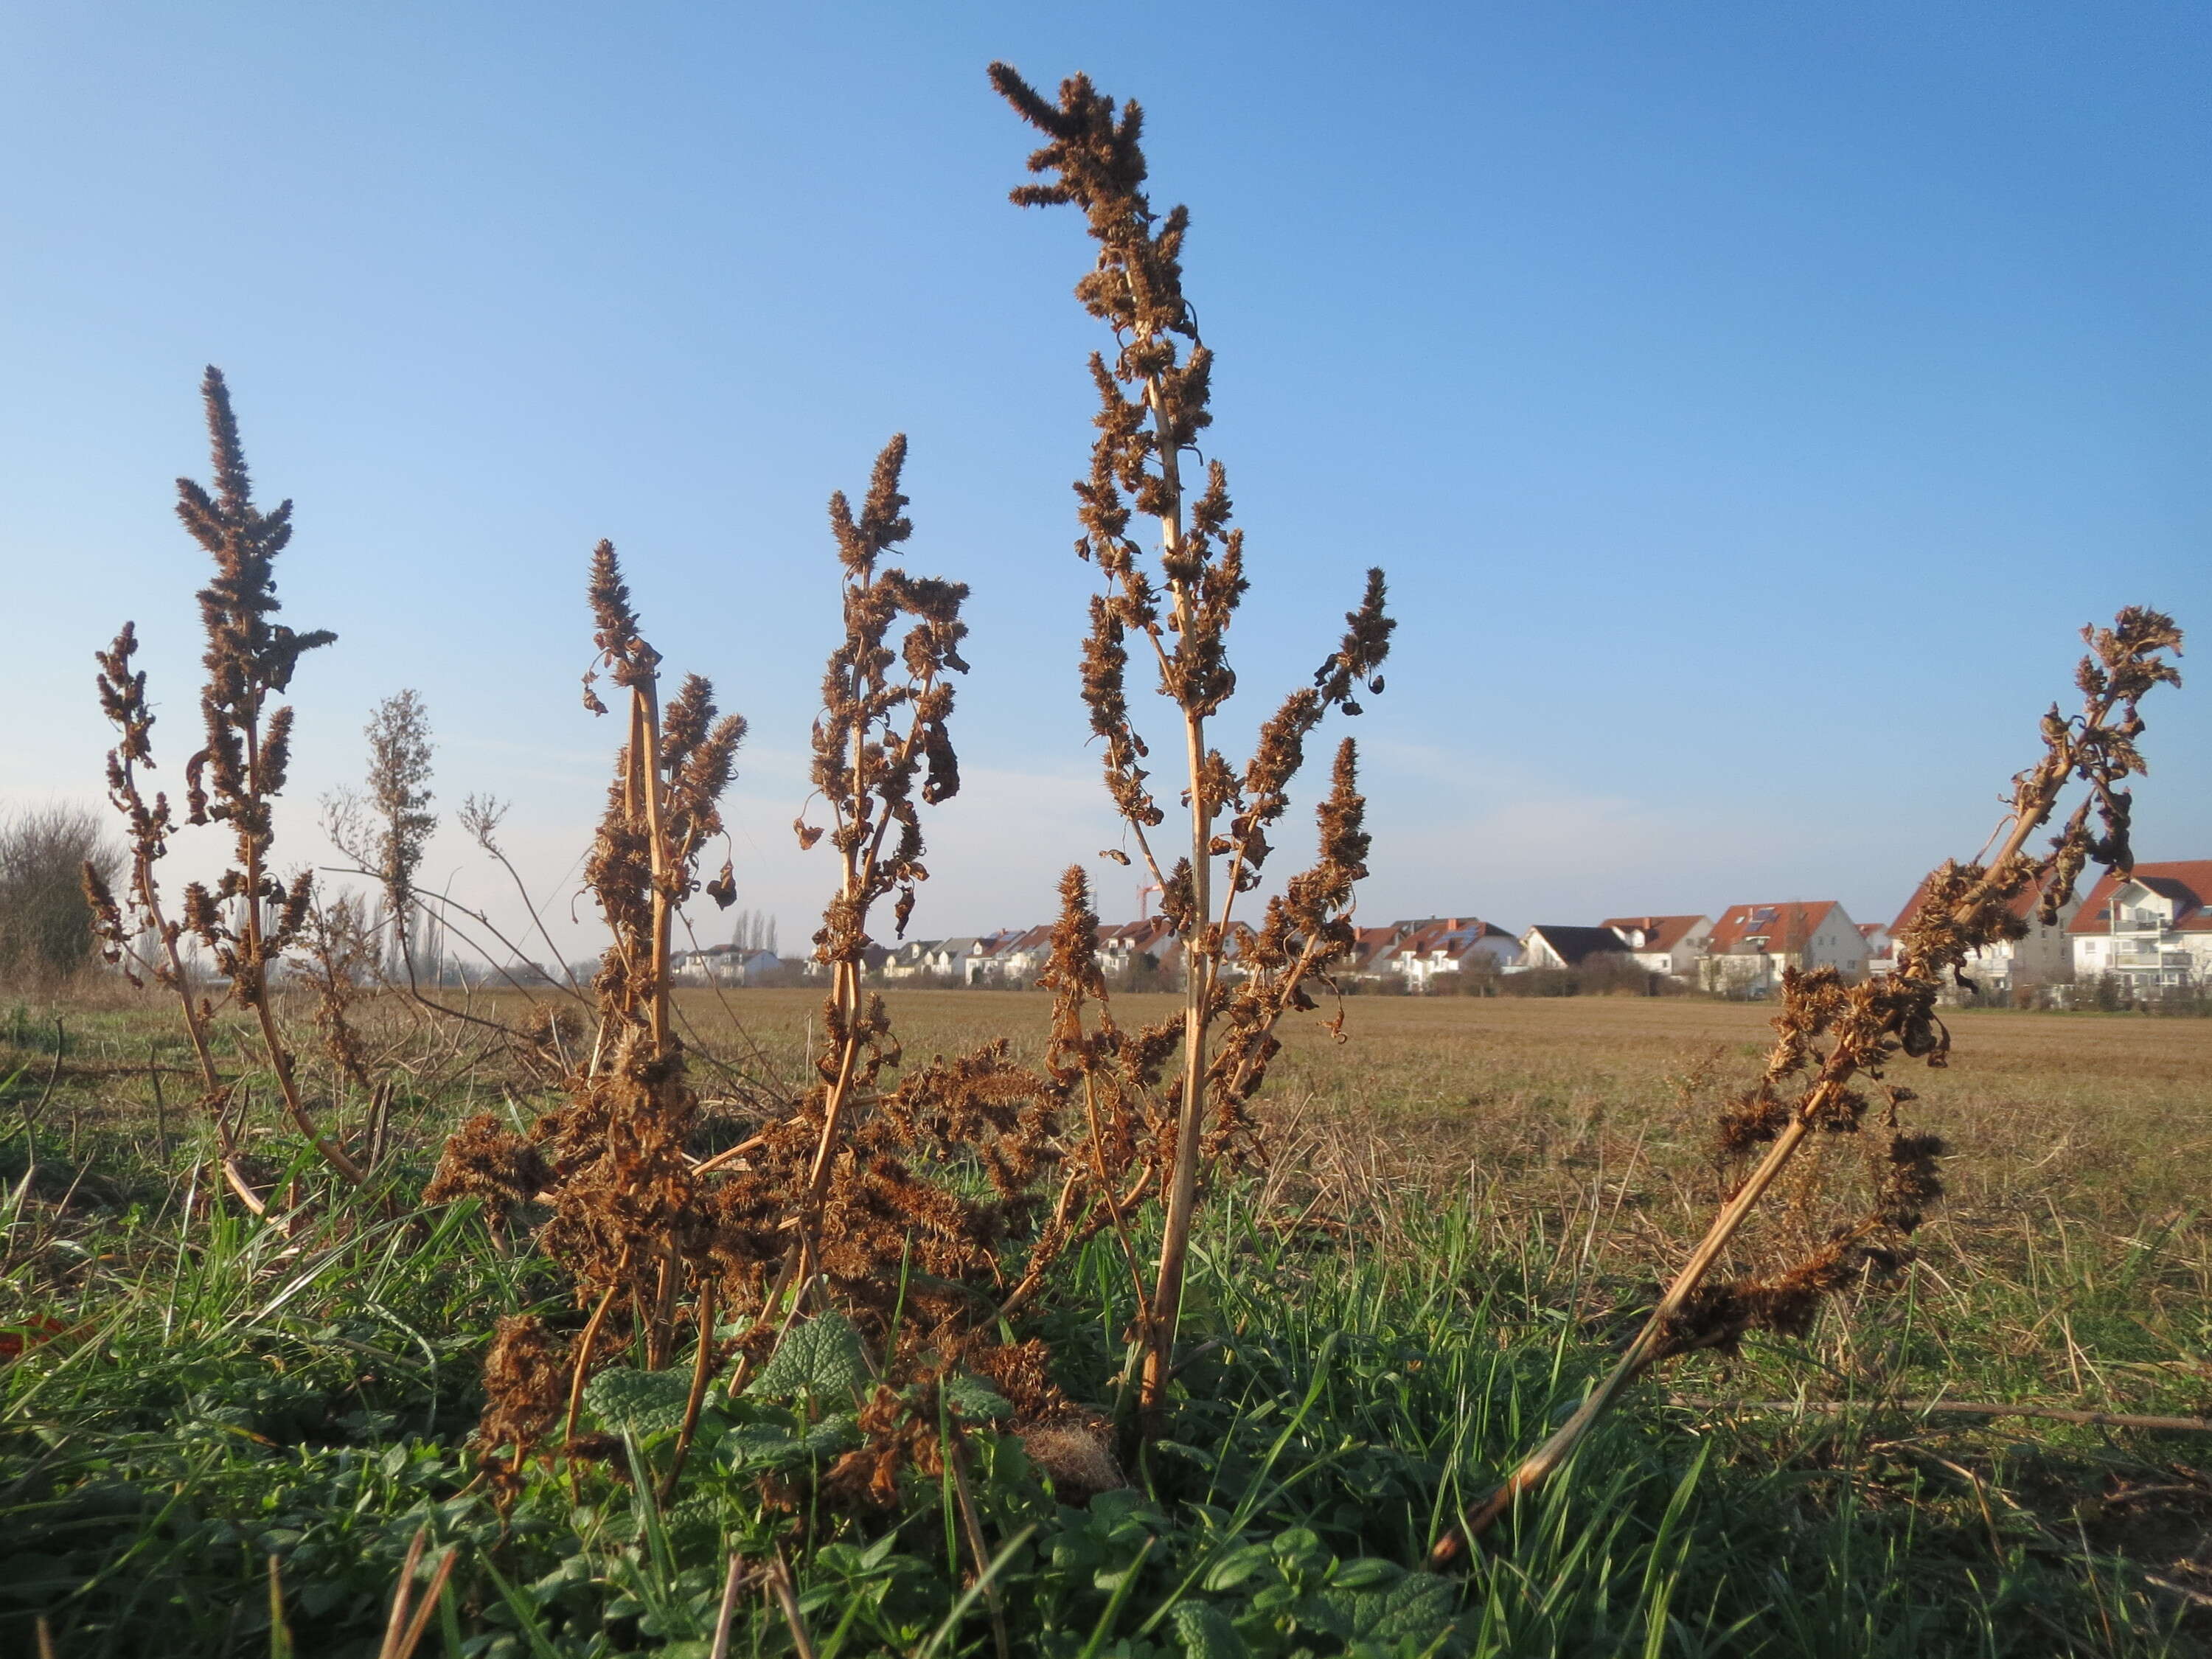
x,y
625,1195
252,917
880,744
1153,398
838,1204
1806,1090
629,1223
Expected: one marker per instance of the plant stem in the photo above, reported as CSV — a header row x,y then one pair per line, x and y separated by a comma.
x,y
1537,1468
256,979
1197,960
645,742
702,1370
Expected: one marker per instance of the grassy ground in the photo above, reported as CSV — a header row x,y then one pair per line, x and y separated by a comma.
x,y
1462,1206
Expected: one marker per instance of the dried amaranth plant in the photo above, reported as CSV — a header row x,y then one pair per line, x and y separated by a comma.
x,y
839,1203
880,745
1832,1034
832,1204
137,933
251,917
628,1220
1153,395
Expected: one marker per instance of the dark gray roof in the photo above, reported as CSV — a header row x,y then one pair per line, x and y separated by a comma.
x,y
1571,945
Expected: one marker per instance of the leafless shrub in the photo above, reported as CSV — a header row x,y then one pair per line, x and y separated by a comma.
x,y
45,917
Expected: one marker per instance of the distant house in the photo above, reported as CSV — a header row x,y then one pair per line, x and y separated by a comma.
x,y
1444,945
1018,958
2041,955
1551,944
1881,947
724,964
1664,944
1140,951
1751,944
2153,929
910,959
1368,957
946,959
962,961
873,957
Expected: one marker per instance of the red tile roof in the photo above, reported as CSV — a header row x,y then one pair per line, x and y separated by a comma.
x,y
1371,945
1135,935
1778,924
2187,883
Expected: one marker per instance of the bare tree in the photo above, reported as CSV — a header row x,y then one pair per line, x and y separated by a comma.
x,y
754,930
398,734
386,828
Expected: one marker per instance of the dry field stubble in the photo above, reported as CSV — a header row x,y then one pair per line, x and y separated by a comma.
x,y
2096,1114
2071,1263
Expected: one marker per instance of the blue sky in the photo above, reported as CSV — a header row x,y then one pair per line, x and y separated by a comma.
x,y
1747,402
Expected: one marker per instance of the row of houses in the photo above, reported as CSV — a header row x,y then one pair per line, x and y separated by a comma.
x,y
2152,930
1013,957
1134,950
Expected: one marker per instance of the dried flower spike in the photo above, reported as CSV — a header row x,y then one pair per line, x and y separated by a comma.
x,y
1153,403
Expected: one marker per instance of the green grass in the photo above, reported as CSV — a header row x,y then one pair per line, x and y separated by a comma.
x,y
197,1392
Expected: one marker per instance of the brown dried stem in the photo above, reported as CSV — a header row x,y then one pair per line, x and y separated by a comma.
x,y
1966,909
703,1370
